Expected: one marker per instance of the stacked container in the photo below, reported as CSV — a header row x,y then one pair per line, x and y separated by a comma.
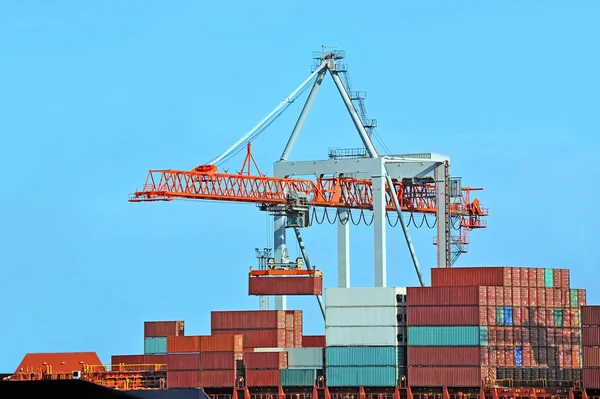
x,y
529,321
304,365
590,341
443,336
261,328
156,333
365,333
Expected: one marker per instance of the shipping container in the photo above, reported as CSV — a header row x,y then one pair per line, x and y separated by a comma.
x,y
286,285
591,356
549,278
178,344
582,298
184,379
223,341
127,359
447,296
253,338
265,360
591,378
443,336
183,361
381,376
217,378
363,296
362,336
155,359
385,316
443,356
442,315
155,345
247,319
541,278
362,356
164,328
470,276
484,335
218,360
590,336
298,377
263,378
305,358
313,341
590,315
444,376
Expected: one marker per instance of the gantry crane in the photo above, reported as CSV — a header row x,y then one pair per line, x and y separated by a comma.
x,y
353,181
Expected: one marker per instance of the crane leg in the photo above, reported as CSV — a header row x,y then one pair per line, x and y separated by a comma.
x,y
308,265
343,232
280,253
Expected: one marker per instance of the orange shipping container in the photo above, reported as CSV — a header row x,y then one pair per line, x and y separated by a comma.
x,y
258,338
533,298
263,378
581,294
541,297
285,285
183,361
164,328
500,296
517,298
541,278
183,379
183,344
222,342
218,378
469,276
524,282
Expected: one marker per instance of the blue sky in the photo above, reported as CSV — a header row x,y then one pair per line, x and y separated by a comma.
x,y
94,95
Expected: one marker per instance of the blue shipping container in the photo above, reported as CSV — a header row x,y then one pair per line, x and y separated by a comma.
x,y
361,376
508,316
518,356
155,345
362,356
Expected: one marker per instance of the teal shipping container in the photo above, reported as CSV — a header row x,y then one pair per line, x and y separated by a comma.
x,y
298,377
484,336
362,356
574,298
558,317
549,278
500,316
361,376
155,345
443,336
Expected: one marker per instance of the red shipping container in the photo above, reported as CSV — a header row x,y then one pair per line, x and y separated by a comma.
x,y
183,361
263,378
499,296
468,276
286,285
218,360
516,277
313,341
558,298
509,357
163,328
566,278
518,317
483,316
576,357
491,314
509,336
525,297
223,341
153,360
516,297
178,344
575,320
218,378
590,336
518,336
591,356
532,282
527,356
265,360
442,315
591,378
432,296
444,376
247,320
590,315
443,355
507,276
557,278
566,314
533,298
184,379
549,297
127,359
492,356
500,336
491,296
483,296
582,297
541,297
524,277
541,278
484,356
257,338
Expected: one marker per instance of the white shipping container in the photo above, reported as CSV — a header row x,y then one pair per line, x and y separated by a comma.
x,y
383,316
269,350
364,296
363,336
311,358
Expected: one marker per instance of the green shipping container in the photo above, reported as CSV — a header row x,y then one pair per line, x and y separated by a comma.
x,y
155,345
298,377
500,316
362,356
361,376
443,336
574,298
558,317
549,274
484,337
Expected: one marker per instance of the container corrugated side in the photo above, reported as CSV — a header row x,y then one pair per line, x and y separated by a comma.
x,y
591,378
442,315
127,359
285,285
443,336
384,316
444,376
363,296
361,336
442,296
590,336
184,379
313,341
443,356
362,356
164,328
590,315
305,358
218,360
247,319
266,360
361,376
298,377
263,378
154,345
183,361
217,378
591,356
183,344
469,276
